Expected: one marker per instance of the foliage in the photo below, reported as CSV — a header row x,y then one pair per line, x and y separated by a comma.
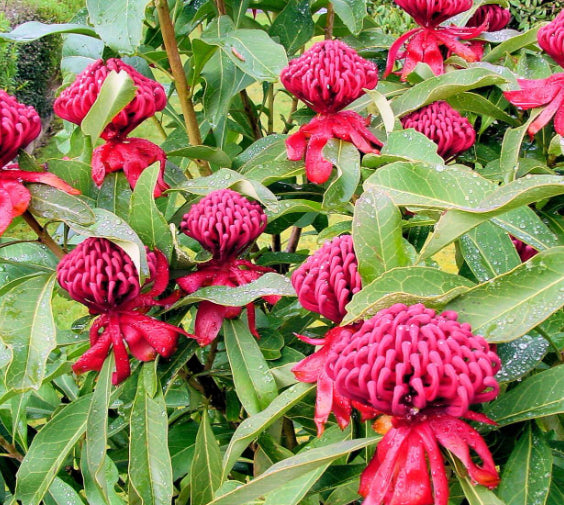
x,y
229,423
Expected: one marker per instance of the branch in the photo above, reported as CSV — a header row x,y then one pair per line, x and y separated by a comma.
x,y
255,125
42,235
209,387
330,21
10,449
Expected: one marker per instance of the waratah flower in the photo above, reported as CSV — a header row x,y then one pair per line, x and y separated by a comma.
x,y
312,137
493,16
329,76
75,101
424,369
551,38
100,275
547,92
438,121
19,125
422,45
132,155
325,283
225,223
525,251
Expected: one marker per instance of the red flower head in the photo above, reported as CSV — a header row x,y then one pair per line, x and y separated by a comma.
x,y
423,44
525,251
225,224
132,155
431,13
75,101
325,283
493,16
329,76
424,369
19,125
551,39
438,121
100,275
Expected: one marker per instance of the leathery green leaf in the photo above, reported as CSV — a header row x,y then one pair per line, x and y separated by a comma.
x,y
509,305
205,474
49,450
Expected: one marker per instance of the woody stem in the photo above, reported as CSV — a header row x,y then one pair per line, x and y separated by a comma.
x,y
42,235
330,21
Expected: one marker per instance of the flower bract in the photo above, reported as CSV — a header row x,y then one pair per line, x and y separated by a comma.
x,y
551,38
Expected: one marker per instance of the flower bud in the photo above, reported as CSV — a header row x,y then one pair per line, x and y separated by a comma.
x,y
19,125
329,76
75,101
551,38
438,121
225,223
495,16
328,279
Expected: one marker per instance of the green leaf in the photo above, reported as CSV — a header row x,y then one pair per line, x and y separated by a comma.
x,y
444,86
477,104
251,427
144,216
33,30
24,258
408,285
78,52
478,495
377,235
150,470
119,23
254,383
293,26
76,173
488,251
526,475
112,227
346,159
509,305
52,203
268,284
28,329
537,396
225,178
290,469
384,109
253,51
61,493
115,93
511,45
115,195
351,13
49,450
520,356
97,428
212,154
205,473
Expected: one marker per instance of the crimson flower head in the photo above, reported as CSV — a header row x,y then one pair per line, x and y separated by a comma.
x,y
329,76
75,101
132,155
551,39
442,124
493,16
225,223
100,275
525,251
19,125
325,283
424,369
431,13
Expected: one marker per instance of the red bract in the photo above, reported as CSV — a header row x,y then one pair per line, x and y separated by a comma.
x,y
132,155
542,92
525,251
225,224
75,101
329,76
425,369
551,39
100,275
493,16
19,125
438,121
312,137
431,13
325,283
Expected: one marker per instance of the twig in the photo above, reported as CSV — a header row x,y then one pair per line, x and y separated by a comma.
x,y
180,81
289,433
330,21
42,235
220,4
255,124
293,109
293,240
211,355
270,99
10,449
208,386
